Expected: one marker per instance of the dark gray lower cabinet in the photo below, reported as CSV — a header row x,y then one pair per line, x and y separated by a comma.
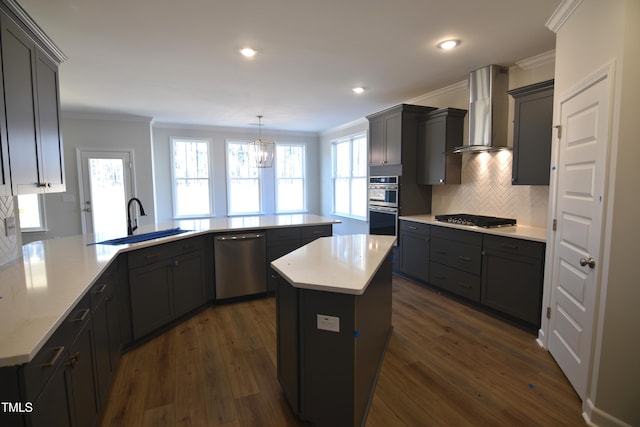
x,y
165,282
52,407
512,272
83,384
414,249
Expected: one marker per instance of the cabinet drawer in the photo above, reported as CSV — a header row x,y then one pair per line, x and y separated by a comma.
x,y
312,232
102,285
54,352
415,227
458,255
514,246
287,233
462,236
455,281
157,253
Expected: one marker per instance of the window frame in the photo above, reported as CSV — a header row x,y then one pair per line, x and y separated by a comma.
x,y
174,190
259,177
350,140
303,178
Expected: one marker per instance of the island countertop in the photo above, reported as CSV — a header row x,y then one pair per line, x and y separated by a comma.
x,y
38,291
342,264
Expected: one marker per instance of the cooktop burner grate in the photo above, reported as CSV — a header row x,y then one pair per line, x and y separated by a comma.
x,y
477,220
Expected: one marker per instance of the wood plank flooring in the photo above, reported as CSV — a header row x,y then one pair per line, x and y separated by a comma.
x,y
447,365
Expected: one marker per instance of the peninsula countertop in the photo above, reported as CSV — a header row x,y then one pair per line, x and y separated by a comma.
x,y
525,232
38,291
342,264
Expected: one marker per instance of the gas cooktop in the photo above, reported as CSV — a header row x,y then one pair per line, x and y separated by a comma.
x,y
477,220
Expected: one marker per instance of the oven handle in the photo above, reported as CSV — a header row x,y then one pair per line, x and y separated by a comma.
x,y
383,209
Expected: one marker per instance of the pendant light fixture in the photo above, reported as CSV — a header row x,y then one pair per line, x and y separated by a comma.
x,y
262,150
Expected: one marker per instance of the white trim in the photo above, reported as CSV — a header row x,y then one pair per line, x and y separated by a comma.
x,y
562,14
537,60
447,90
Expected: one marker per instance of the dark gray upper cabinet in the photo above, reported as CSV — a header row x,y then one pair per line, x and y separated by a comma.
x,y
532,133
31,107
438,134
393,134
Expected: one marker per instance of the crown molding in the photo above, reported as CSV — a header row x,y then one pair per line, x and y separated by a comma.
x,y
538,60
35,29
562,14
453,88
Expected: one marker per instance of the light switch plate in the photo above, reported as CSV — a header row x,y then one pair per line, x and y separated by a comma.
x,y
10,226
328,323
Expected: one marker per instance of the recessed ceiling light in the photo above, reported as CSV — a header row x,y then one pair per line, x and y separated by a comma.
x,y
358,90
248,52
448,44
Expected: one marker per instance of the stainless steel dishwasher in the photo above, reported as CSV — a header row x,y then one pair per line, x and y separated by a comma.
x,y
240,264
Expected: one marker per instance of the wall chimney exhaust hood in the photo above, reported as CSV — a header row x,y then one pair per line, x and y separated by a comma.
x,y
488,109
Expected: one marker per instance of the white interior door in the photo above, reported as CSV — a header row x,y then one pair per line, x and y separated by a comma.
x,y
106,186
584,121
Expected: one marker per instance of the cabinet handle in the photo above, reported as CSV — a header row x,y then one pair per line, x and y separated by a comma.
x,y
100,290
176,263
151,256
73,359
514,247
85,313
318,232
464,285
54,359
44,184
411,227
465,258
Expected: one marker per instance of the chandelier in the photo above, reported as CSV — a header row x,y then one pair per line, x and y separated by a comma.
x,y
262,151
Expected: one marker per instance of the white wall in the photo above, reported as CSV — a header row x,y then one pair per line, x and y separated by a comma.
x,y
596,34
162,134
97,132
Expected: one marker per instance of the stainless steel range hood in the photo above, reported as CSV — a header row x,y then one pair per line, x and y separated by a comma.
x,y
488,109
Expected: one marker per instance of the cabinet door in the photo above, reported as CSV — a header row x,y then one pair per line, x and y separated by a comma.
x,y
274,251
393,139
107,342
414,253
512,284
376,142
51,153
189,287
81,371
532,134
52,407
151,294
18,57
431,151
287,342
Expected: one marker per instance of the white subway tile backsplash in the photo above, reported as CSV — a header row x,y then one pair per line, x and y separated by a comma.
x,y
486,190
10,246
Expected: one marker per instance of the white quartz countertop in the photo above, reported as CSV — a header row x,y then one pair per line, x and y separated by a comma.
x,y
525,232
40,290
343,264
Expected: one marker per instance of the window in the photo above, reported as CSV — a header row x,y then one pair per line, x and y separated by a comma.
x,y
192,195
349,157
290,178
31,212
243,181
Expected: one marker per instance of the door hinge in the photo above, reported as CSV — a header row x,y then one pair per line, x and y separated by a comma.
x,y
559,130
554,226
548,312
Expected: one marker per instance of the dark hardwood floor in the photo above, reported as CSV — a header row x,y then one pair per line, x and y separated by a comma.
x,y
447,365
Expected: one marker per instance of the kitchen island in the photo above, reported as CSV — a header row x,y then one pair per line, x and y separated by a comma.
x,y
333,313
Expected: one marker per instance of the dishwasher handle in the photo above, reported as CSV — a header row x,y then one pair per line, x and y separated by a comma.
x,y
252,236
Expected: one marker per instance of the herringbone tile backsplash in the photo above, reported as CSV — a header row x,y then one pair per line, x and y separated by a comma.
x,y
10,247
486,190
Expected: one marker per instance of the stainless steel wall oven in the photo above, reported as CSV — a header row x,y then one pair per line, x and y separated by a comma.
x,y
383,205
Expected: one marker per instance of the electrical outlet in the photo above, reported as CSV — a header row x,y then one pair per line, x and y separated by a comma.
x,y
10,226
328,323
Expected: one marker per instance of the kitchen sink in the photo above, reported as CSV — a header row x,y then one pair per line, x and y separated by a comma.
x,y
136,238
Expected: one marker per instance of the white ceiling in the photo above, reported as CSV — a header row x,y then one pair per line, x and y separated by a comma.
x,y
178,61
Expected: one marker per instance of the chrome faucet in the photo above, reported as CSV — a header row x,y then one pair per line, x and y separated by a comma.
x,y
131,229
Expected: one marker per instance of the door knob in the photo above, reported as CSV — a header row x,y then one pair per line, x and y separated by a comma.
x,y
590,262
